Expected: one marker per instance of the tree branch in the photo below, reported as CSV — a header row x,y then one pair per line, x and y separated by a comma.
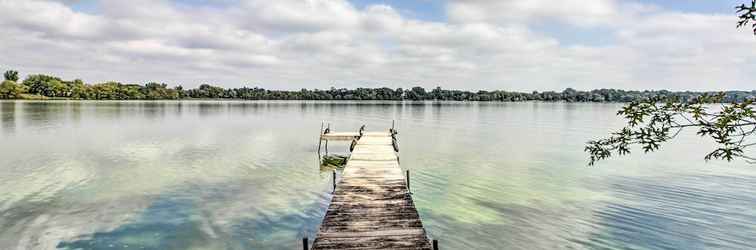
x,y
652,122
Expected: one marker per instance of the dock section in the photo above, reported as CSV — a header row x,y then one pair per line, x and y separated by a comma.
x,y
371,207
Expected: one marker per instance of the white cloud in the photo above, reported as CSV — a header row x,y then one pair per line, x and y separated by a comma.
x,y
296,15
577,12
291,44
53,20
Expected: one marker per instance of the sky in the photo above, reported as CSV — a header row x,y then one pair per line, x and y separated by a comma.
x,y
457,44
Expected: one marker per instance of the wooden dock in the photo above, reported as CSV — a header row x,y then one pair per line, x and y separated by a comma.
x,y
371,207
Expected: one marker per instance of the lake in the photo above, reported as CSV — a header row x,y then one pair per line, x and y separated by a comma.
x,y
245,175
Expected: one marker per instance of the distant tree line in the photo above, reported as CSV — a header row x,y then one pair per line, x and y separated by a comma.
x,y
46,86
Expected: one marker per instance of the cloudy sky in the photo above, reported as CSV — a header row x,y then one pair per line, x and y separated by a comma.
x,y
463,44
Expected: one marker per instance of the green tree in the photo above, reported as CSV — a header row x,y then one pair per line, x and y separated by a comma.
x,y
180,92
105,91
207,91
128,92
10,90
11,75
78,90
58,89
41,84
415,94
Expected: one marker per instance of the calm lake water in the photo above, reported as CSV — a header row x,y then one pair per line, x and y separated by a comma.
x,y
244,175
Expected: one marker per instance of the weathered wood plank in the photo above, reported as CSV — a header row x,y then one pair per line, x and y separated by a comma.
x,y
371,207
339,136
367,242
399,232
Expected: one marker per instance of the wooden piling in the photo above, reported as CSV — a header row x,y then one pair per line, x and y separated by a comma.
x,y
334,181
320,140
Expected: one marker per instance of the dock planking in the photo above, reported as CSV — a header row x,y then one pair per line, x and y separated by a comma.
x,y
371,207
339,136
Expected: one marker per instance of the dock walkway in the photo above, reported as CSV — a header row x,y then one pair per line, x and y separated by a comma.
x,y
371,207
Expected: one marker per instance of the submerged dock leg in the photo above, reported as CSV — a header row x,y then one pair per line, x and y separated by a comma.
x,y
305,244
320,141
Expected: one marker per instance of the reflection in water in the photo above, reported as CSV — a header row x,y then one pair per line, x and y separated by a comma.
x,y
244,175
74,110
41,115
681,213
164,220
155,109
175,221
209,109
8,116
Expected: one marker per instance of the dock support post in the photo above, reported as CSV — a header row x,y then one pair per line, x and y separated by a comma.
x,y
326,131
320,139
305,244
408,182
334,181
435,244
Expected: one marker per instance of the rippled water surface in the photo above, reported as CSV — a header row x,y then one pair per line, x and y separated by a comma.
x,y
244,175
